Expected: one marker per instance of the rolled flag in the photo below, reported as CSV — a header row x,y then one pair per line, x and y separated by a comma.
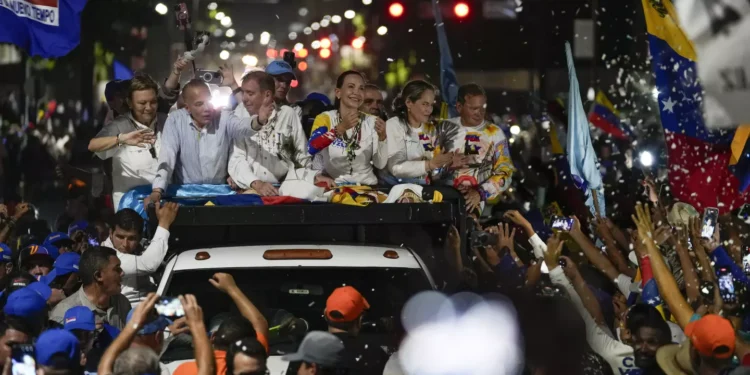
x,y
581,156
719,30
448,79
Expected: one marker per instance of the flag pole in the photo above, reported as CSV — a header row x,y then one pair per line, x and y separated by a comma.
x,y
596,202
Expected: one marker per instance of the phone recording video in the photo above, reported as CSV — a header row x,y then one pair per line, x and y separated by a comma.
x,y
710,217
22,358
170,307
746,264
562,223
744,212
726,285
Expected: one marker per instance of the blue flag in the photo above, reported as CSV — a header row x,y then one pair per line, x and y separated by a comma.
x,y
46,28
581,155
448,80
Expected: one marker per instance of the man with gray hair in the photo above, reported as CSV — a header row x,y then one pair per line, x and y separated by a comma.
x,y
136,360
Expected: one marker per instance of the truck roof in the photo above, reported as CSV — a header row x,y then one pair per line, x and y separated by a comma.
x,y
253,257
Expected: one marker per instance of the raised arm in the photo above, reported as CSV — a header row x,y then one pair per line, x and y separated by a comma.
x,y
150,260
668,288
692,282
593,254
613,251
170,148
204,355
128,333
225,283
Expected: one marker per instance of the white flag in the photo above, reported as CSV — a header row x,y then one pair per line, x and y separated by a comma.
x,y
720,31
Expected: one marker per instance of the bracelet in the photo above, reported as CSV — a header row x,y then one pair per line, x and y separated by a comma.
x,y
118,140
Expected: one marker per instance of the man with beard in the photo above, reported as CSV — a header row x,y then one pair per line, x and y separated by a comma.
x,y
649,333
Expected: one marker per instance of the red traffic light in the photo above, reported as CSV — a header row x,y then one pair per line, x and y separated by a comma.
x,y
396,10
461,10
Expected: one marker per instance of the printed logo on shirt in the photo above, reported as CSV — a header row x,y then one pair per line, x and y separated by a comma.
x,y
472,144
628,367
426,142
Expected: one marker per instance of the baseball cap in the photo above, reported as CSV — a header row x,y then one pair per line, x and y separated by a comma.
x,y
67,263
154,324
76,226
6,254
57,341
345,304
319,97
43,289
34,251
712,336
25,302
321,348
79,317
280,67
57,237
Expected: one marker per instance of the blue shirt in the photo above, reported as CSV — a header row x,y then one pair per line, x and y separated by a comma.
x,y
190,155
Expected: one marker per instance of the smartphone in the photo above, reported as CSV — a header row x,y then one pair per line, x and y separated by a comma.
x,y
22,358
563,263
170,307
707,291
726,285
710,217
744,213
746,264
562,223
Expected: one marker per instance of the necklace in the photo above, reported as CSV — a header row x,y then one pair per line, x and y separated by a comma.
x,y
351,144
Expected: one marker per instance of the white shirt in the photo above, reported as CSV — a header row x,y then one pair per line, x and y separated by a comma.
x,y
333,159
137,269
267,154
408,150
132,166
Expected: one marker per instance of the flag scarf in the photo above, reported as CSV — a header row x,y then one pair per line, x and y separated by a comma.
x,y
581,155
606,117
448,80
46,28
699,159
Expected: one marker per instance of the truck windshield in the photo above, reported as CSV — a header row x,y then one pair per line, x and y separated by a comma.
x,y
302,293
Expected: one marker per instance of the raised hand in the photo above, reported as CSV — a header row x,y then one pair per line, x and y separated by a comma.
x,y
505,237
554,249
140,138
227,75
380,129
166,214
642,220
223,281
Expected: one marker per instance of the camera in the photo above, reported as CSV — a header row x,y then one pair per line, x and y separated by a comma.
x,y
210,76
479,238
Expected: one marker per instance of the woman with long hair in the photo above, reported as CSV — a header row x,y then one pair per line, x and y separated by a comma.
x,y
417,147
345,143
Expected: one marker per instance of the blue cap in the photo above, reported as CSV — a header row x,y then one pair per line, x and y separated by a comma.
x,y
79,317
78,225
6,254
67,263
43,289
319,97
25,302
279,67
57,341
155,325
56,237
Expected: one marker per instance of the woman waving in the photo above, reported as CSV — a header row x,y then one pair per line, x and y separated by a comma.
x,y
346,143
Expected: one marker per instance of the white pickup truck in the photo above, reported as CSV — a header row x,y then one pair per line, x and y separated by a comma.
x,y
298,279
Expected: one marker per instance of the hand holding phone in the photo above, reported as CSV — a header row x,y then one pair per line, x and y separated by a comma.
x,y
170,307
562,223
726,285
710,219
23,359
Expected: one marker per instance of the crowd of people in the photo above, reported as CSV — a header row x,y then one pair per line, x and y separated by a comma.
x,y
649,294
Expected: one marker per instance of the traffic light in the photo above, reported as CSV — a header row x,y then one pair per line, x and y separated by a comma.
x,y
396,10
461,10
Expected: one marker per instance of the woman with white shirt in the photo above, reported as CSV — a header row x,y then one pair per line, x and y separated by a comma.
x,y
417,147
346,143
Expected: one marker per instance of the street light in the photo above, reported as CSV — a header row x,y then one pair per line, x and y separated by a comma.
x,y
299,46
315,25
325,43
396,10
265,37
219,16
212,6
382,30
336,19
315,44
358,43
226,21
161,9
349,14
307,30
461,10
302,53
367,2
224,55
302,12
249,37
324,23
292,35
325,53
250,60
230,33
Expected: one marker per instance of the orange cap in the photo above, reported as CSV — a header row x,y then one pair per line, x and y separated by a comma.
x,y
712,335
345,304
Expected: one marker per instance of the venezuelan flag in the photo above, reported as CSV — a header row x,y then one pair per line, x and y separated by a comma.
x,y
607,118
699,159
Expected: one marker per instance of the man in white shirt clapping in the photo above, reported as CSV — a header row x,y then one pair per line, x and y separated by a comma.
x,y
265,158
